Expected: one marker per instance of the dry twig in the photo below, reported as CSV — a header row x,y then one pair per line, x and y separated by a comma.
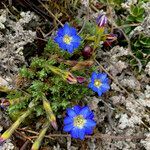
x,y
96,136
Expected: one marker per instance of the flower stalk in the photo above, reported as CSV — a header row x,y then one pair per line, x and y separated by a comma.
x,y
6,135
5,89
66,75
38,141
50,115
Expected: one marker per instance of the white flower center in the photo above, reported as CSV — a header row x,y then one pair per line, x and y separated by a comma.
x,y
79,121
67,39
97,83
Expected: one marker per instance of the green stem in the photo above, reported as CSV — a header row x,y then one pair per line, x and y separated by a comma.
x,y
38,141
14,126
50,115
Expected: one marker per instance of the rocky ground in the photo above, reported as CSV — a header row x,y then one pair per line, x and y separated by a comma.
x,y
124,113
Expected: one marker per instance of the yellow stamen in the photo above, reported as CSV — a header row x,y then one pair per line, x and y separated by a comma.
x,y
67,39
97,83
79,121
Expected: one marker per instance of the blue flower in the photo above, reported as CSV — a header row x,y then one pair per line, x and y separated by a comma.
x,y
67,38
99,83
79,122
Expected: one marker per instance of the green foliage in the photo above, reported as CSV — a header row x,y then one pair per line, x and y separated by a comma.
x,y
141,48
39,110
18,103
44,79
112,2
64,93
24,72
142,43
136,14
53,49
89,28
92,34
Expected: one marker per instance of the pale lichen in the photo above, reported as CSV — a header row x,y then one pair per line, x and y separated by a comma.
x,y
13,40
147,69
146,142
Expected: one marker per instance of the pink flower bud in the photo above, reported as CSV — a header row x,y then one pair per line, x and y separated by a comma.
x,y
1,140
80,79
71,79
110,38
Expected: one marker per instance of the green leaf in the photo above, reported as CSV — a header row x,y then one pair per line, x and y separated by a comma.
x,y
141,11
134,10
131,18
39,110
146,51
139,19
139,54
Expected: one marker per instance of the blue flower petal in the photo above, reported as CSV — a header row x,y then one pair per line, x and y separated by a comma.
x,y
62,46
74,133
81,133
90,123
75,44
60,42
88,130
71,112
95,89
66,29
91,85
68,120
91,116
102,76
106,80
73,32
105,87
69,30
76,39
99,92
69,48
60,32
85,112
68,127
58,39
94,76
77,109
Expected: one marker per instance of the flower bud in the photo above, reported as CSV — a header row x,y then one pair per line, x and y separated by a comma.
x,y
4,103
80,79
101,20
119,34
1,140
87,52
66,75
50,115
70,78
110,38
